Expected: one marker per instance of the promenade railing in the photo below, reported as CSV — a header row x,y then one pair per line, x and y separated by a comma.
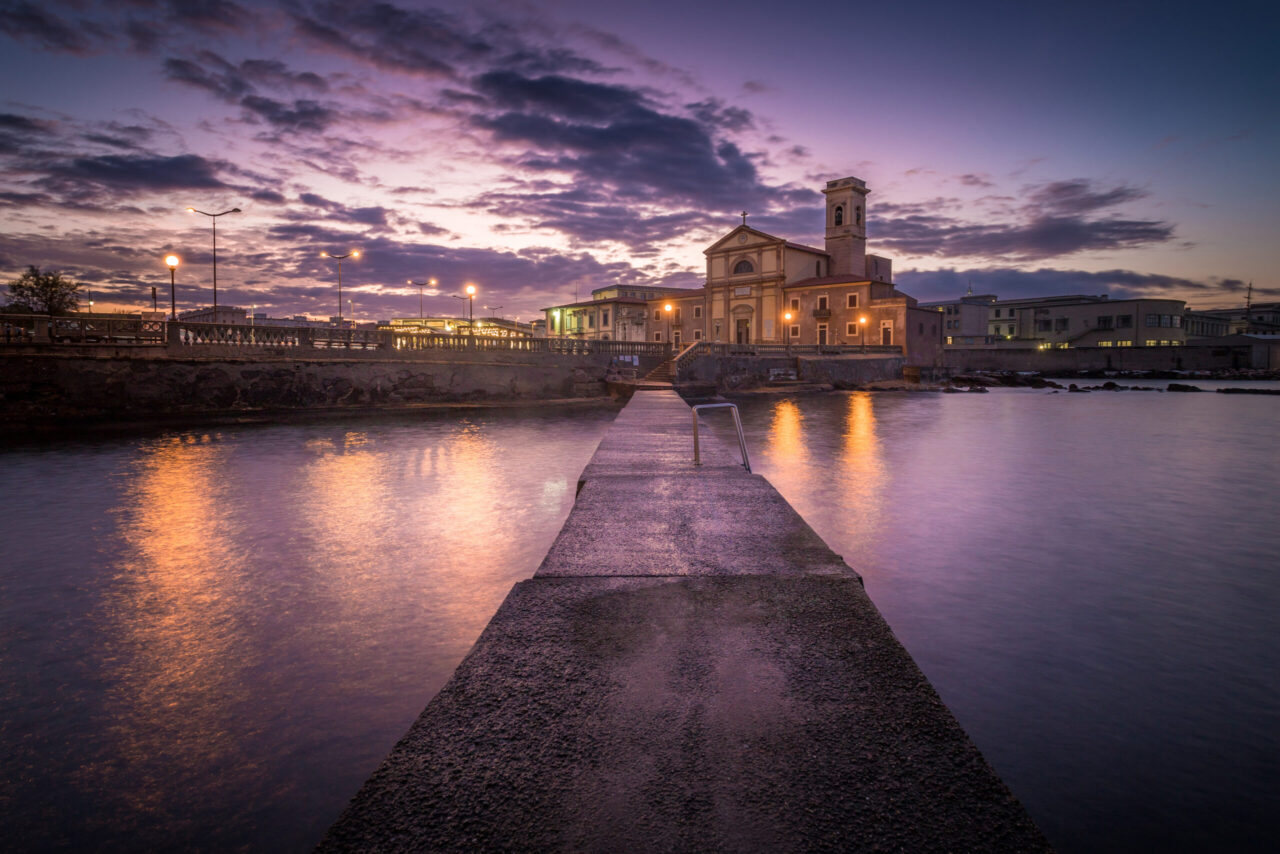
x,y
180,334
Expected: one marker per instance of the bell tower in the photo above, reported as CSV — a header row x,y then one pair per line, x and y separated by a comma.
x,y
847,226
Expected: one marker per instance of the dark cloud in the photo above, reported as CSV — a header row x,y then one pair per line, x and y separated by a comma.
x,y
1045,237
713,113
561,96
610,137
1054,221
971,180
239,84
1078,196
210,15
27,23
426,41
268,197
373,216
302,116
1012,283
86,177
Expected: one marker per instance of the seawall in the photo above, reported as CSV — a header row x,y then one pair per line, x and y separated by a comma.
x,y
69,382
691,668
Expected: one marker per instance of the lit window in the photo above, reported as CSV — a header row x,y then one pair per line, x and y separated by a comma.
x,y
1104,343
949,339
1124,343
1151,342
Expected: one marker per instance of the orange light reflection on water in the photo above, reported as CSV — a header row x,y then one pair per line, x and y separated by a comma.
x,y
173,686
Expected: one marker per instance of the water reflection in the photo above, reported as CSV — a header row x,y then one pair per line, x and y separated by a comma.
x,y
786,445
174,674
244,622
1088,581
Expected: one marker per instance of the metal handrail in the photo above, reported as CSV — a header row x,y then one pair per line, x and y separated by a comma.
x,y
737,422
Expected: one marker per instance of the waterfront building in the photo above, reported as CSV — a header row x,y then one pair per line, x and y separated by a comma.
x,y
494,327
1261,318
614,312
684,323
964,320
1082,320
836,295
231,314
839,295
1205,324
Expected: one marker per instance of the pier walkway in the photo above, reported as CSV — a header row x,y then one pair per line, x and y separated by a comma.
x,y
690,669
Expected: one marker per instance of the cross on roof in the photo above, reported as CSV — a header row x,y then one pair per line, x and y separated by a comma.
x,y
744,217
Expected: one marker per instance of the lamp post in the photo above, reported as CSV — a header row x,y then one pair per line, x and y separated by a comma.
x,y
862,333
214,218
667,309
786,330
471,299
432,283
354,253
172,262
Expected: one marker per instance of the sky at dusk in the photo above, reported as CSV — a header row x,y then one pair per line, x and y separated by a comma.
x,y
543,149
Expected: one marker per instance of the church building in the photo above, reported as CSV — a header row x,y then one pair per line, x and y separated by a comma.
x,y
838,295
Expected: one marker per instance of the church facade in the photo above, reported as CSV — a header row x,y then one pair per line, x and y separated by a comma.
x,y
763,289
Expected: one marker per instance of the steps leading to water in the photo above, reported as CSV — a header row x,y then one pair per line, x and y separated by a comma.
x,y
691,668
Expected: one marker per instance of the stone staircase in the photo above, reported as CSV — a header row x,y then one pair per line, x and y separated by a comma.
x,y
665,374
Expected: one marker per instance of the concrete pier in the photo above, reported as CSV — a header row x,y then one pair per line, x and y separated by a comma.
x,y
690,669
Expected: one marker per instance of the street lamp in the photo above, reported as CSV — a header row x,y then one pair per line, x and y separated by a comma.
x,y
172,262
862,333
354,253
786,330
667,309
214,217
432,283
471,299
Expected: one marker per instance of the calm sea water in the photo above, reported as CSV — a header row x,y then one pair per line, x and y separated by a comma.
x,y
1091,582
208,639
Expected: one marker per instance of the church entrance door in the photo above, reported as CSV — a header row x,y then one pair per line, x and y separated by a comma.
x,y
886,335
743,335
822,334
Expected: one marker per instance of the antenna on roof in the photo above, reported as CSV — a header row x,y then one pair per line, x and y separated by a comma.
x,y
1248,301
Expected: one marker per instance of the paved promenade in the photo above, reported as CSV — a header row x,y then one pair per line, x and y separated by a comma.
x,y
690,669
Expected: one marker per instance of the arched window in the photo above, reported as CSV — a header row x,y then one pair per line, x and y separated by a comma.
x,y
743,266
839,217
857,216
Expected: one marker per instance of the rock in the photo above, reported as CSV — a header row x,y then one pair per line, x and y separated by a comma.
x,y
1183,387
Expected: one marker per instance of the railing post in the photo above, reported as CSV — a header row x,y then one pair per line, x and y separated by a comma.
x,y
173,334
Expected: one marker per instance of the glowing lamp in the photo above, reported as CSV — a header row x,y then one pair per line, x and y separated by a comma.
x,y
171,261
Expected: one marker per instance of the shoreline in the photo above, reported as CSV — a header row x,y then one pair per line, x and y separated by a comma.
x,y
94,426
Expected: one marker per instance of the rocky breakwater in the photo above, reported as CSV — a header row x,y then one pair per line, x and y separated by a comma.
x,y
58,387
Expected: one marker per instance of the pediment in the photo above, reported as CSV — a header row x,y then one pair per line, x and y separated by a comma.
x,y
742,237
